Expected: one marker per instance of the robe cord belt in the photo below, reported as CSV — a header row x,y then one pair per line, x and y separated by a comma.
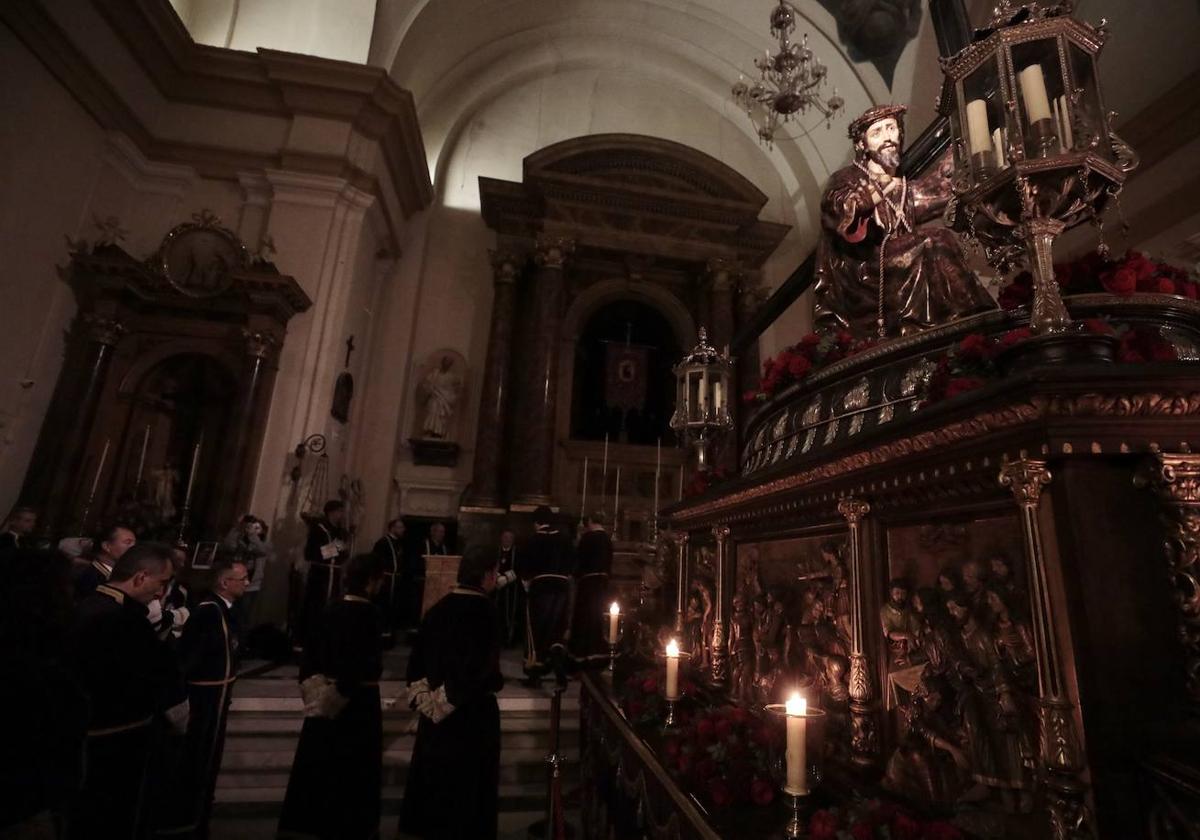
x,y
122,727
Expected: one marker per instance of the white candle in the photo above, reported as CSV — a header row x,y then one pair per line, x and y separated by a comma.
x,y
583,502
797,776
978,136
142,459
672,670
616,500
1033,87
718,396
1057,124
998,146
614,618
1067,137
702,395
99,469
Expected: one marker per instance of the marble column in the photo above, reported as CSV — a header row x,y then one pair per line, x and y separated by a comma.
x,y
1063,767
493,403
537,385
864,719
53,479
259,351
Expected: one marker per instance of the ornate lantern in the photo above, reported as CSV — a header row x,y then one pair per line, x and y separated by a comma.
x,y
702,415
1034,149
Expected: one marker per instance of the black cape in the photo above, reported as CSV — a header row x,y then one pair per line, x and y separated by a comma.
x,y
324,581
130,677
452,790
545,565
589,623
394,597
335,786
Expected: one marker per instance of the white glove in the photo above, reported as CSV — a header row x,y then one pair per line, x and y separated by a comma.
x,y
178,716
505,579
435,706
417,692
156,612
179,616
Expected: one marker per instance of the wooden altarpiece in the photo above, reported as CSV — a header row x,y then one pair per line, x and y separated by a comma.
x,y
163,354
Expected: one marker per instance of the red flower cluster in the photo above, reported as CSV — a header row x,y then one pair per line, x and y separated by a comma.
x,y
875,820
810,353
1135,272
705,479
720,754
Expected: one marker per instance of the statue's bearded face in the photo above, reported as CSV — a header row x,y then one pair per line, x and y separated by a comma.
x,y
881,142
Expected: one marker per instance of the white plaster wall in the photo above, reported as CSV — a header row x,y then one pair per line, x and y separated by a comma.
x,y
339,30
48,189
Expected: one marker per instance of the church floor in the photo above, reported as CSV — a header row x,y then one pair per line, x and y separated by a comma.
x,y
264,726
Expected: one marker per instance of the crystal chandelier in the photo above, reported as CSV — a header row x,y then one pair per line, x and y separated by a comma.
x,y
791,79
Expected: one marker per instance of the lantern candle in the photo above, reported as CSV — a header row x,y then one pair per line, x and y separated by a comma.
x,y
998,144
1033,87
614,618
977,127
797,708
673,670
1067,136
718,396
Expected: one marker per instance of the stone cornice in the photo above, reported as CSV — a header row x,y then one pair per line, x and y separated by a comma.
x,y
266,83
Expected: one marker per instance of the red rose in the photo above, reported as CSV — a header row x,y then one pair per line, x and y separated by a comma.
x,y
1121,282
863,830
705,730
723,727
761,735
809,341
974,346
823,826
635,708
905,827
1188,288
1098,326
1165,286
941,830
762,792
1014,337
1140,264
705,769
798,366
650,685
738,715
670,748
963,384
1018,292
719,793
684,763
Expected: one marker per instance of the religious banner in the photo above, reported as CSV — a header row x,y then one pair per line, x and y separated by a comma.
x,y
625,376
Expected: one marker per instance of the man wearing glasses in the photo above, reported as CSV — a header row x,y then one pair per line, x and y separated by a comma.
x,y
208,655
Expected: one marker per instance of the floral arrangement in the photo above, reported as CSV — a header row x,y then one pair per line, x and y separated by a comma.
x,y
796,363
971,363
877,820
703,479
1135,272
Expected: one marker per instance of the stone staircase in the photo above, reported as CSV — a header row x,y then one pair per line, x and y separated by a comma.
x,y
264,727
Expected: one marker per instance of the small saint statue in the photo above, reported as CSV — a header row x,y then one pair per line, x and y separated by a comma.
x,y
441,388
878,273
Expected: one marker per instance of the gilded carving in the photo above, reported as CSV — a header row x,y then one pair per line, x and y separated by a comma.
x,y
103,330
258,345
1176,481
506,266
552,251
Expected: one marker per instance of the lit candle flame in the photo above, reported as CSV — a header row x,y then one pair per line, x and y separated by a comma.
x,y
672,648
614,609
797,705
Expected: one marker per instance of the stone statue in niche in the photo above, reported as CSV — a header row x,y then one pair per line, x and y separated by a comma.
x,y
878,273
439,391
441,380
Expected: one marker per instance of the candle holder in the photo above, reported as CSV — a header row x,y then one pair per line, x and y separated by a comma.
x,y
813,739
614,641
671,719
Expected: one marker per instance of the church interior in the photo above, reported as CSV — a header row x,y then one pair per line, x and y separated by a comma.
x,y
862,331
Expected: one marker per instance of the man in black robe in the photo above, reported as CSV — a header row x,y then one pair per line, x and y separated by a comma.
x,y
18,529
325,552
545,569
878,273
335,785
389,549
87,574
133,683
208,651
453,677
510,595
589,621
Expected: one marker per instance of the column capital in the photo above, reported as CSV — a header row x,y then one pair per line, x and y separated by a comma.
x,y
506,265
258,345
854,510
1025,478
720,533
102,330
552,251
722,272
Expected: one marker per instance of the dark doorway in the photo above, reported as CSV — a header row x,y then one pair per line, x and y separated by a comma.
x,y
642,413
